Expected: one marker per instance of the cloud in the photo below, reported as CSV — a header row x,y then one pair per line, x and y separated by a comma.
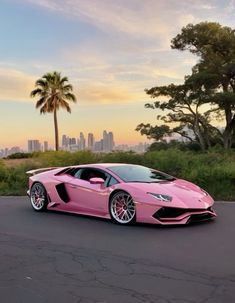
x,y
104,93
15,84
113,67
140,19
230,6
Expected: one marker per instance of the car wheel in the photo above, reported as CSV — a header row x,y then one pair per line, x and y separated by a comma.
x,y
38,197
122,208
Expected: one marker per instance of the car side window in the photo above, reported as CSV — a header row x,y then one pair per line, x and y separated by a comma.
x,y
77,173
88,173
74,172
112,181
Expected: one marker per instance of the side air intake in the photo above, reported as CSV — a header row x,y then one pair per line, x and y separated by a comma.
x,y
62,192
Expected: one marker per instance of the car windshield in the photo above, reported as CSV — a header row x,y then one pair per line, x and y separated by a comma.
x,y
136,173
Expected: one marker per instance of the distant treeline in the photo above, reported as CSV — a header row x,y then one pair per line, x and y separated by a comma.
x,y
20,156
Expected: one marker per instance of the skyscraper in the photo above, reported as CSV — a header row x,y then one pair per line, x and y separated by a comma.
x,y
105,140
91,141
110,141
45,146
72,141
64,141
82,142
33,145
99,146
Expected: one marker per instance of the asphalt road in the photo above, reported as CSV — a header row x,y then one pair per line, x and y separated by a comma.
x,y
55,257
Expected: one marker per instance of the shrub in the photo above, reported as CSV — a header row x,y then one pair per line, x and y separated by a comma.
x,y
20,156
214,171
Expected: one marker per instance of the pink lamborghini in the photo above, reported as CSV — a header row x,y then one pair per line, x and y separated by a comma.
x,y
121,192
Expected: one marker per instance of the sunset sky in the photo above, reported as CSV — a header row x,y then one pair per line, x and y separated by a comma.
x,y
110,50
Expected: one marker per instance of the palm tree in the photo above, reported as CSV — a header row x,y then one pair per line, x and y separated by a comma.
x,y
54,92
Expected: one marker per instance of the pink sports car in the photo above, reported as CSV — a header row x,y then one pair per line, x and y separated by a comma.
x,y
122,192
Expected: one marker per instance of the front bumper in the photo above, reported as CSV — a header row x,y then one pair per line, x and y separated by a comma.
x,y
172,215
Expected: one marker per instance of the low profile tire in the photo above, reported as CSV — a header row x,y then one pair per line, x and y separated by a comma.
x,y
122,208
38,197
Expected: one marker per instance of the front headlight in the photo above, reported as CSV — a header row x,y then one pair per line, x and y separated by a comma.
x,y
161,197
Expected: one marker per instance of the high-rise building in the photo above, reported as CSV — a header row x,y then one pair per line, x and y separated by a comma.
x,y
45,146
33,145
65,141
110,141
90,141
72,141
105,140
99,145
82,142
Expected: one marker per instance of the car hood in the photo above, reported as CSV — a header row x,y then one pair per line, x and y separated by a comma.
x,y
184,193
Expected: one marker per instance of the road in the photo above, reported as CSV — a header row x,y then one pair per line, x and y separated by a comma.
x,y
55,257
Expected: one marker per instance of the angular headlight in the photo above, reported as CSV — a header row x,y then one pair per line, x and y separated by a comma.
x,y
161,197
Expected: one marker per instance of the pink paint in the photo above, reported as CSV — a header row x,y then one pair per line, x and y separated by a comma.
x,y
92,197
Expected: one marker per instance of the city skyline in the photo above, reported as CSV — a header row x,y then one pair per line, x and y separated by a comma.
x,y
104,143
110,50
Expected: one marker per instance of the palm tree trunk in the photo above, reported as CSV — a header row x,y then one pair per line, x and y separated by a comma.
x,y
56,131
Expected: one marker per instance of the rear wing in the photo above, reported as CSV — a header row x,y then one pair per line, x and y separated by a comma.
x,y
39,170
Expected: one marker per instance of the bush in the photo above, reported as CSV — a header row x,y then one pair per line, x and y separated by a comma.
x,y
214,171
20,156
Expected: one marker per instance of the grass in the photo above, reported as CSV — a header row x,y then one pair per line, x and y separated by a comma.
x,y
214,171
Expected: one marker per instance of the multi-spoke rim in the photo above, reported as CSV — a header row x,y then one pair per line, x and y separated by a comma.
x,y
122,208
38,196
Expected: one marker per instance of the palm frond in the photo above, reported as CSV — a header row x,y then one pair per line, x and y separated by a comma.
x,y
46,108
65,105
41,83
63,80
43,109
41,102
67,88
36,92
47,76
70,97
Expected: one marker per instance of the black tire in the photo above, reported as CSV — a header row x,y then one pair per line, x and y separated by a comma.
x,y
122,208
38,197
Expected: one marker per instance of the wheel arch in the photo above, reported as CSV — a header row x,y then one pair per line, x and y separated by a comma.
x,y
116,191
38,181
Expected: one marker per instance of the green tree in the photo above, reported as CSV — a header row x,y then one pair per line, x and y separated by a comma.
x,y
211,83
54,92
215,46
183,110
157,133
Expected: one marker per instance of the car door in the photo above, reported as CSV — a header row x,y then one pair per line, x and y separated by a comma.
x,y
85,197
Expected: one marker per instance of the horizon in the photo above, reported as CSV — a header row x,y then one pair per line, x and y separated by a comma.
x,y
110,52
51,145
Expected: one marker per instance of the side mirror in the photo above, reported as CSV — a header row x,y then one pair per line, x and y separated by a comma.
x,y
96,181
